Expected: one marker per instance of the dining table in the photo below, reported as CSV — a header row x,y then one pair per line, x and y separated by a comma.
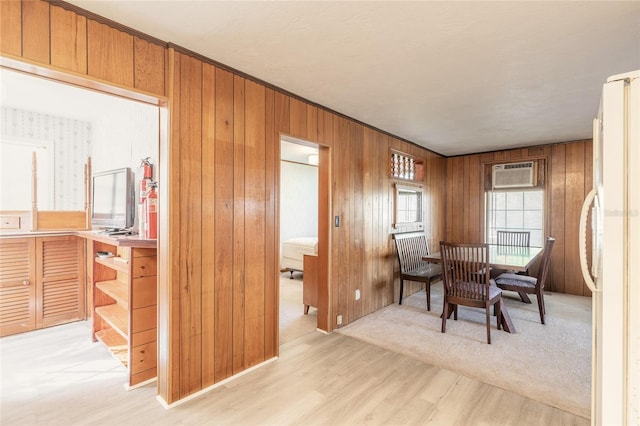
x,y
512,258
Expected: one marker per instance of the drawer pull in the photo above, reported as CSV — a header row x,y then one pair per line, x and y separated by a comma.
x,y
26,282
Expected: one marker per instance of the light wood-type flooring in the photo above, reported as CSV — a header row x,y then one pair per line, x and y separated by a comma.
x,y
57,376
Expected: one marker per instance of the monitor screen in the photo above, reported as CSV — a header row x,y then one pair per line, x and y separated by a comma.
x,y
113,199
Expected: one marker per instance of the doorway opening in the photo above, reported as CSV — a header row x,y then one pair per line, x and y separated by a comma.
x,y
299,189
113,127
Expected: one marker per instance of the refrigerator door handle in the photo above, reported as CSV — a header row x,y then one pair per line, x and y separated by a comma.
x,y
582,243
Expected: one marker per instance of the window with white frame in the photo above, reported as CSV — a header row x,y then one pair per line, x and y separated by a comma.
x,y
515,211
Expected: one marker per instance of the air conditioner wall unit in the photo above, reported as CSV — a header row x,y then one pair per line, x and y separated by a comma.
x,y
514,175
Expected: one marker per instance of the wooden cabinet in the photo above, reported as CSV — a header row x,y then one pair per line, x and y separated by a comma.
x,y
310,282
60,278
125,307
41,282
17,285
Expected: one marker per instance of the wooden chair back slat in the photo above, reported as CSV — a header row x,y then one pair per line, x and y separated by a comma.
x,y
514,238
466,278
466,270
411,247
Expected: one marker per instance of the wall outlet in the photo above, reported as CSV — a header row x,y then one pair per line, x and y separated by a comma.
x,y
339,320
358,294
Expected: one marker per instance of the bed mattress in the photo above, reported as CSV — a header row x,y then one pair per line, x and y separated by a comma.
x,y
293,251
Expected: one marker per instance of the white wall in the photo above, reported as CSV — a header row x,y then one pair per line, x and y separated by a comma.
x,y
298,200
120,132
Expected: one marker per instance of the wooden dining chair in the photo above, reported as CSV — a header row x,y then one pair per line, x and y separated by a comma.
x,y
410,248
513,238
530,285
465,272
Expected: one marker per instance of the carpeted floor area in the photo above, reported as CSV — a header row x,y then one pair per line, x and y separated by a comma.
x,y
549,363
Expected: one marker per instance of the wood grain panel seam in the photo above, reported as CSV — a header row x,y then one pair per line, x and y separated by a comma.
x,y
49,13
21,28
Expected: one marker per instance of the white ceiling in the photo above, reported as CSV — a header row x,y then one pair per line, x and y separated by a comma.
x,y
454,77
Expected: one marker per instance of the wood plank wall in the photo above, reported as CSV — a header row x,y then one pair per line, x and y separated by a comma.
x,y
568,181
220,315
65,40
223,222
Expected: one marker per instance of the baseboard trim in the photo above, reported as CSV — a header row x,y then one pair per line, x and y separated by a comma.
x,y
213,386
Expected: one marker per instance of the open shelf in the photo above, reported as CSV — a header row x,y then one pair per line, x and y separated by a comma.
x,y
110,262
116,344
116,316
115,289
124,290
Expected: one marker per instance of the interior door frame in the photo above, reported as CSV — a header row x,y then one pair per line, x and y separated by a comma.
x,y
26,66
324,228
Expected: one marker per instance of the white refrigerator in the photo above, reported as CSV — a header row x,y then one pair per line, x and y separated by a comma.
x,y
614,272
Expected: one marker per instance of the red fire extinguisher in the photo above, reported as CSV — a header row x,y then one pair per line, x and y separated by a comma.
x,y
147,175
151,211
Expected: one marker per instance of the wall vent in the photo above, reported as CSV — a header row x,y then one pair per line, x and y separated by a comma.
x,y
513,175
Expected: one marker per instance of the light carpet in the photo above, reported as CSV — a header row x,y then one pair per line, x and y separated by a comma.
x,y
549,363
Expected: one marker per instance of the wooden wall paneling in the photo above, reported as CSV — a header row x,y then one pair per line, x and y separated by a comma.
x,y
449,199
110,54
501,156
255,205
485,178
272,229
312,123
223,225
574,196
386,244
169,291
283,113
239,243
281,126
369,219
394,291
148,71
35,34
533,151
190,225
11,27
487,157
517,153
297,118
356,215
475,200
208,232
456,193
460,201
68,40
377,171
341,234
557,213
429,192
325,220
439,181
468,227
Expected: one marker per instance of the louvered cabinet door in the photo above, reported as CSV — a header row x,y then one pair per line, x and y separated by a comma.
x,y
17,285
60,272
